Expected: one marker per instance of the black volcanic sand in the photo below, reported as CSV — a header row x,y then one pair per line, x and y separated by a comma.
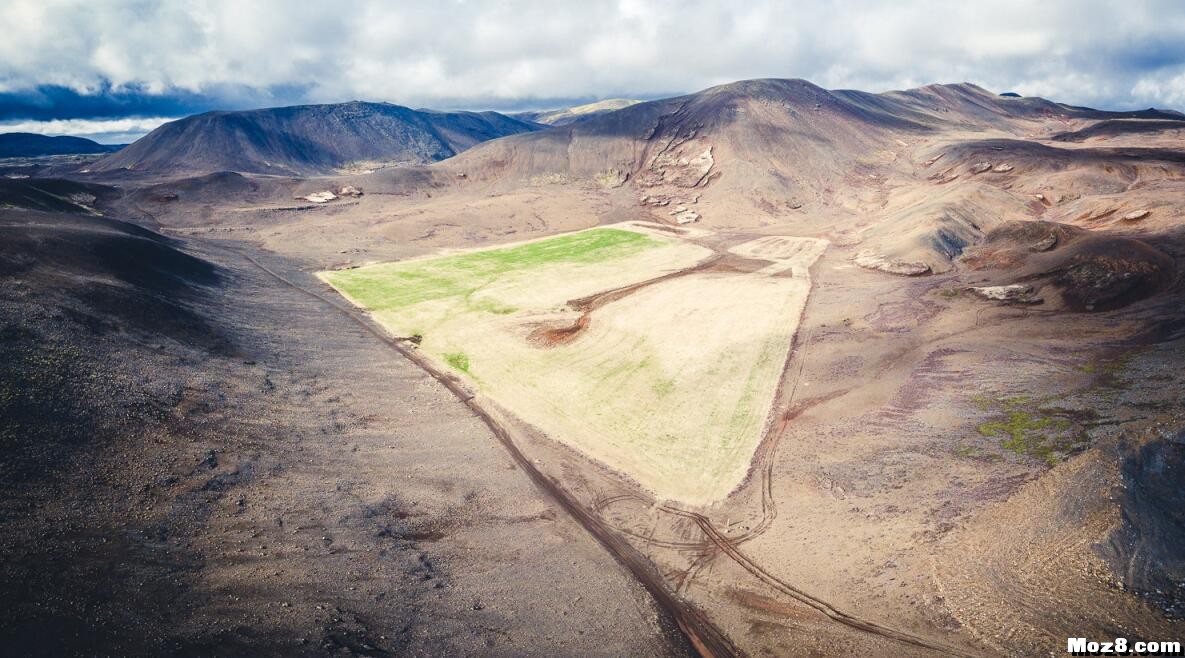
x,y
200,462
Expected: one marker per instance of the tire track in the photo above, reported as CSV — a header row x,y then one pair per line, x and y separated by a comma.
x,y
707,640
833,613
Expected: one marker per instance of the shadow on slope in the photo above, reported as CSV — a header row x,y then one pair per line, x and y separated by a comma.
x,y
1119,128
1145,551
1071,267
52,195
66,284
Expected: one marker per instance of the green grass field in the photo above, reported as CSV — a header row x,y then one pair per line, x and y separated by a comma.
x,y
393,286
671,385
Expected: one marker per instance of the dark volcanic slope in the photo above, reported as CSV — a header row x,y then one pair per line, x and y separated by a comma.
x,y
100,277
51,194
28,145
309,139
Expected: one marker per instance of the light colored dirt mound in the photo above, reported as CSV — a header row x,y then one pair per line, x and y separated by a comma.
x,y
786,253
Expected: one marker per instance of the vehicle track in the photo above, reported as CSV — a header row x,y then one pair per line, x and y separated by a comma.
x,y
707,640
729,546
852,621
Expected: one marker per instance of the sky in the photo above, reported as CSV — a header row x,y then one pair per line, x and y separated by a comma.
x,y
114,69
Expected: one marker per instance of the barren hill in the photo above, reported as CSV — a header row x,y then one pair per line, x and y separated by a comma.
x,y
931,169
791,132
309,139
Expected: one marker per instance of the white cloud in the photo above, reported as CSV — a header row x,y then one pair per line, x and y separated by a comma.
x,y
448,51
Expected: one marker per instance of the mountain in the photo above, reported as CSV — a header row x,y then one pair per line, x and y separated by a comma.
x,y
769,128
570,115
933,168
309,139
28,145
986,362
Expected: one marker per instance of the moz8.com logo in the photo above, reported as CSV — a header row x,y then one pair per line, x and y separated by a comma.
x,y
1121,646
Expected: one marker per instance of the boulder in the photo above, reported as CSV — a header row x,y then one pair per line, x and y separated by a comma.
x,y
320,197
1046,243
874,261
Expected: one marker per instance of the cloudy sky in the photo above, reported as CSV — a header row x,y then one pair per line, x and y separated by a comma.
x,y
113,69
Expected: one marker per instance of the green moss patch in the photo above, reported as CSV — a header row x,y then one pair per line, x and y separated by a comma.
x,y
392,286
458,360
1032,427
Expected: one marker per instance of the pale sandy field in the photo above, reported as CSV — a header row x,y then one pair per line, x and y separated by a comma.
x,y
670,383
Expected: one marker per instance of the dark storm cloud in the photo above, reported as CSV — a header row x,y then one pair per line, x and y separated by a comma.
x,y
57,102
75,59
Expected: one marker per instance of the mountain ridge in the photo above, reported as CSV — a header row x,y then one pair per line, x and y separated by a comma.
x,y
25,145
309,139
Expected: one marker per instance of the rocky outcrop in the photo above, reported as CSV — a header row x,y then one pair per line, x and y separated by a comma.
x,y
684,215
1017,293
611,178
1074,268
674,167
1046,243
320,197
874,261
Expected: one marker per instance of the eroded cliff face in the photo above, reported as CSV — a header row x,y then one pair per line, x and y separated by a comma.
x,y
1145,551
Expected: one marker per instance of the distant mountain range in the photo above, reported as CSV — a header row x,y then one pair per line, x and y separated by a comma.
x,y
29,145
570,115
784,118
309,139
